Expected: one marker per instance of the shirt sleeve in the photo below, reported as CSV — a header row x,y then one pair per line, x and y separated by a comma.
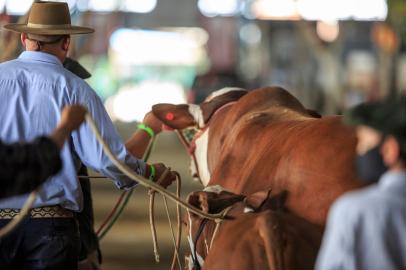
x,y
338,246
23,167
90,151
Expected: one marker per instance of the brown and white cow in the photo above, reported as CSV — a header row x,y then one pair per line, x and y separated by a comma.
x,y
266,139
257,234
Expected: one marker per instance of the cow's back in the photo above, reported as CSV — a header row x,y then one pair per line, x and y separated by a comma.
x,y
256,101
311,158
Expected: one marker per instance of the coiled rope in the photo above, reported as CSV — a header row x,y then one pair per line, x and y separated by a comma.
x,y
176,242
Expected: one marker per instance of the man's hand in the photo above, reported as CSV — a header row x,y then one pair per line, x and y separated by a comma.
x,y
71,118
150,120
169,177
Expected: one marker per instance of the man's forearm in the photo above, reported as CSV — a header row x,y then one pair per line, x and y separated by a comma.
x,y
59,135
39,160
138,143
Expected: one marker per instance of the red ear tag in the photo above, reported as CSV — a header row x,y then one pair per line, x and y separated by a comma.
x,y
169,116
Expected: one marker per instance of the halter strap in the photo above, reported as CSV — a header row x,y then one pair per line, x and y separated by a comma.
x,y
199,233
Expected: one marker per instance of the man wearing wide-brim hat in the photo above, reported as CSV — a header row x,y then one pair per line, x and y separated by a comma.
x,y
33,90
366,229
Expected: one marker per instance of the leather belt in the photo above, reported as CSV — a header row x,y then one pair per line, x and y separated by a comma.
x,y
55,211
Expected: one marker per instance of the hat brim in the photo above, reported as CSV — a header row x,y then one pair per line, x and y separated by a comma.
x,y
71,30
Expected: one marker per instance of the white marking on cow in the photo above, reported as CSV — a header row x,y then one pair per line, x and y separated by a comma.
x,y
214,189
189,262
222,91
200,260
202,145
248,210
193,171
197,114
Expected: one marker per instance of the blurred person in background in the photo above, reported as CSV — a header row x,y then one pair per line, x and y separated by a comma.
x,y
366,228
25,166
33,89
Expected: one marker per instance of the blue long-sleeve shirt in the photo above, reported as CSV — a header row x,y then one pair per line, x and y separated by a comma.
x,y
33,90
367,229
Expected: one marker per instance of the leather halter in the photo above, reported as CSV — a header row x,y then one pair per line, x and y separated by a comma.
x,y
203,223
196,265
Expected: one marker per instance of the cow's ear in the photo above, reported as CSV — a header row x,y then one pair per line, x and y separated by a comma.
x,y
265,200
256,200
174,116
211,202
213,103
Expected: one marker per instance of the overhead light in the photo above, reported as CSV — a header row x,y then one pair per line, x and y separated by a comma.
x,y
324,10
370,10
342,9
133,102
199,35
138,6
211,8
327,31
275,9
320,10
148,47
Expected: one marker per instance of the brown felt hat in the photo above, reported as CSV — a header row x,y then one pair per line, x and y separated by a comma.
x,y
49,18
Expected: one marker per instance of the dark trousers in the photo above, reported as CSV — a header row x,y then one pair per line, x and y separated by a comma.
x,y
41,243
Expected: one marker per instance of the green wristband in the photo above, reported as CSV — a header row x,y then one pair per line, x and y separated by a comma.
x,y
152,174
148,130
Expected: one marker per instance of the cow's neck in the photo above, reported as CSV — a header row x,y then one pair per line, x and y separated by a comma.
x,y
200,145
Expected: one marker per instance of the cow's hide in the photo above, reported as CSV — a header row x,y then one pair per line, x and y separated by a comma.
x,y
257,234
266,139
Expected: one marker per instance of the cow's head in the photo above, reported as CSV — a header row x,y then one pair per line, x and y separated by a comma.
x,y
187,117
201,232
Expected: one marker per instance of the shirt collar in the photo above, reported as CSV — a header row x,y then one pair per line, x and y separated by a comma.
x,y
393,179
40,56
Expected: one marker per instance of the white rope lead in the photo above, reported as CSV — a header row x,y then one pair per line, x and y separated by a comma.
x,y
175,244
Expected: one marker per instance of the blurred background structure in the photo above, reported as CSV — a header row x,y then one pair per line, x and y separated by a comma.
x,y
331,54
